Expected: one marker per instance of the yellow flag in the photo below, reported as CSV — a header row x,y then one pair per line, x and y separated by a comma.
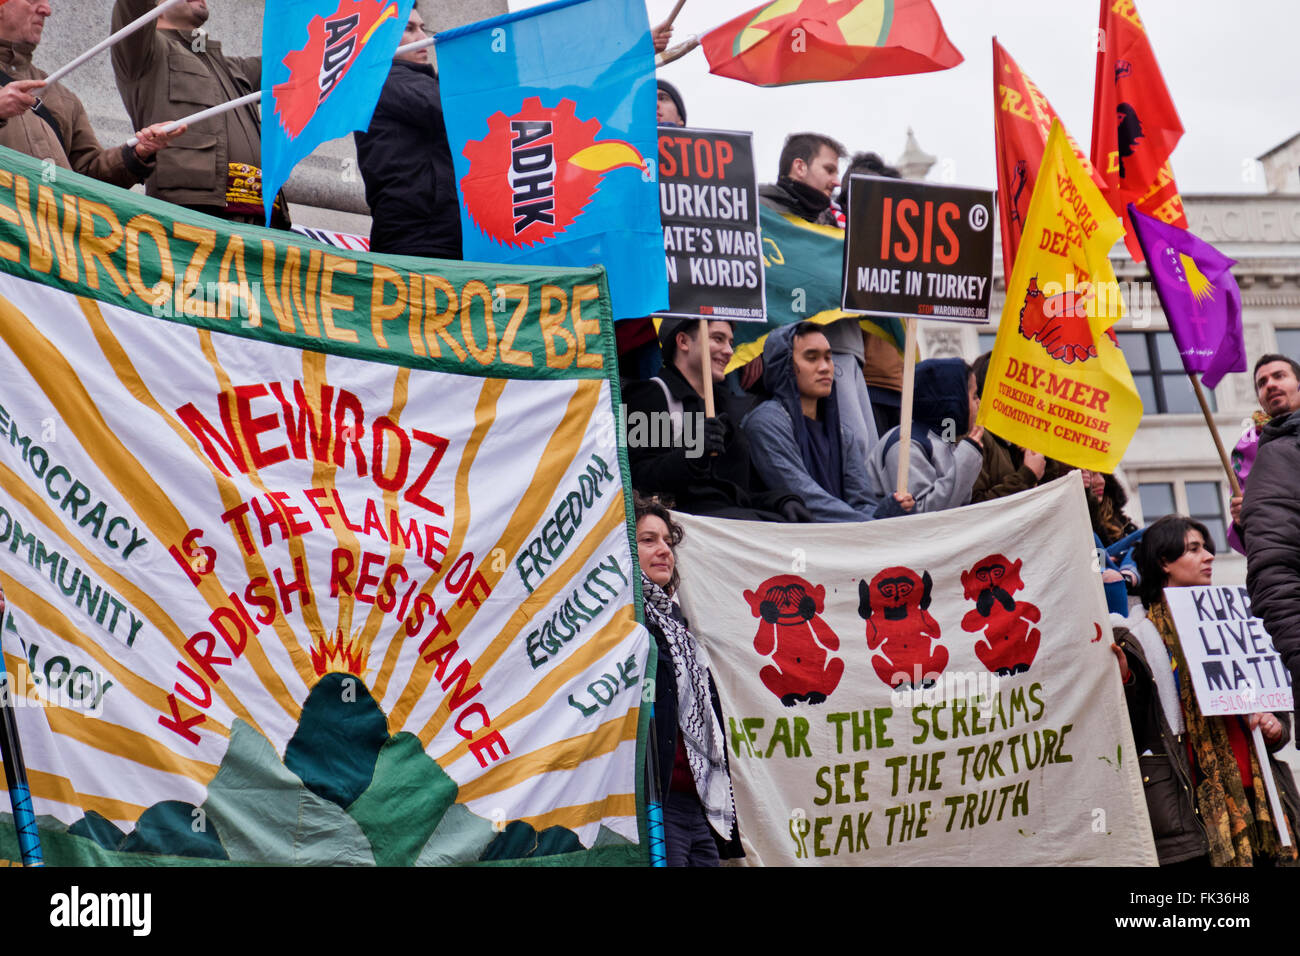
x,y
1057,382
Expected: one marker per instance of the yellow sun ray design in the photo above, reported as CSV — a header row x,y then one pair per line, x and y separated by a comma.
x,y
1202,288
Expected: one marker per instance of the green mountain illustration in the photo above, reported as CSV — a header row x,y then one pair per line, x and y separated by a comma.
x,y
346,793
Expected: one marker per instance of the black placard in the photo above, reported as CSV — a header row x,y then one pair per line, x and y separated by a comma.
x,y
708,200
918,249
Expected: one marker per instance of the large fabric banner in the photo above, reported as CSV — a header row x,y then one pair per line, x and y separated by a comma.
x,y
312,556
932,690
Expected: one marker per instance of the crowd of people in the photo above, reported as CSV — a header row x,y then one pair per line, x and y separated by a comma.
x,y
808,432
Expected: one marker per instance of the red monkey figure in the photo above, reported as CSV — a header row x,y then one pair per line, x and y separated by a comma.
x,y
1010,639
895,606
797,639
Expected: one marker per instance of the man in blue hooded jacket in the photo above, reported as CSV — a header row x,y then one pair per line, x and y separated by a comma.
x,y
797,441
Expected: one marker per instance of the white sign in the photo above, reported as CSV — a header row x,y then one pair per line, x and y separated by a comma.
x,y
1235,669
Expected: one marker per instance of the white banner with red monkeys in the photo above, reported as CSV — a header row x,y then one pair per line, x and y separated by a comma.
x,y
928,690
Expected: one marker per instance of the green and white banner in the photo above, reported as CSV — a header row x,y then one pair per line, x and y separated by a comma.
x,y
311,556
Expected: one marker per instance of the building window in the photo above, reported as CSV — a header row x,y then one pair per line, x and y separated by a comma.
x,y
1202,500
986,340
1288,342
1157,499
1205,504
1158,373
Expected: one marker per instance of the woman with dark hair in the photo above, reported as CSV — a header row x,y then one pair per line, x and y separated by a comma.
x,y
689,769
1204,786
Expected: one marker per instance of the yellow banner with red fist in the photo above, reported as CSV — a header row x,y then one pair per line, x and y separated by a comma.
x,y
1057,382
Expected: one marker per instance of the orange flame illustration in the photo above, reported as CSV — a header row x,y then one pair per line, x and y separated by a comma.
x,y
339,655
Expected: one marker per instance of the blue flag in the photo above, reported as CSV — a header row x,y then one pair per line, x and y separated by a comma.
x,y
323,65
551,117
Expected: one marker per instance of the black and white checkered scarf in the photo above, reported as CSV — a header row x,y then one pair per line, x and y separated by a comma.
x,y
701,732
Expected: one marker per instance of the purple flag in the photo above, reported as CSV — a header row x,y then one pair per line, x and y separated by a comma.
x,y
1199,295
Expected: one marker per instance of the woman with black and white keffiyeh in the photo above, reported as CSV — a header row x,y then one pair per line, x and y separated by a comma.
x,y
690,772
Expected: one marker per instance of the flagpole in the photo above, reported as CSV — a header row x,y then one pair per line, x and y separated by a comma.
x,y
905,414
412,47
20,794
211,111
103,45
255,96
1214,432
673,16
677,52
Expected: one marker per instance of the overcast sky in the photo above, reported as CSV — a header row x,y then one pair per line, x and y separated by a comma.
x,y
1233,71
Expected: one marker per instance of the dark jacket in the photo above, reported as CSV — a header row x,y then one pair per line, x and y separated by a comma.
x,y
406,163
1167,771
663,731
722,486
1001,476
74,146
166,75
787,196
1270,523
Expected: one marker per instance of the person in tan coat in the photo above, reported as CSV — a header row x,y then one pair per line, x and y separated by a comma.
x,y
55,127
173,69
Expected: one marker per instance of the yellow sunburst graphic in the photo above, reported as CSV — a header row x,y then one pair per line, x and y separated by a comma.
x,y
1202,289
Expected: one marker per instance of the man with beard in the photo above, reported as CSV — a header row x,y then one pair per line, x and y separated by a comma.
x,y
1270,515
172,69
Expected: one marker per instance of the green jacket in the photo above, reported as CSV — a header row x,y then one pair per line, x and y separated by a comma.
x,y
165,75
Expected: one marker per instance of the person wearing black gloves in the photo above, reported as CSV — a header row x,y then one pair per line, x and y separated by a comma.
x,y
702,464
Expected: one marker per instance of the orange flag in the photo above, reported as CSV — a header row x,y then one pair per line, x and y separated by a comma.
x,y
1134,124
1022,118
817,41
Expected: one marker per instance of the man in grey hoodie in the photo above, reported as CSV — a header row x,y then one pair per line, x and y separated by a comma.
x,y
797,441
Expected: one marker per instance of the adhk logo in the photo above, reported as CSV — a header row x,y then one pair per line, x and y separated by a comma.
x,y
535,172
333,45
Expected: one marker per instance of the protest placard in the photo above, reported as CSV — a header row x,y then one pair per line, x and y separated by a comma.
x,y
1234,667
918,249
709,202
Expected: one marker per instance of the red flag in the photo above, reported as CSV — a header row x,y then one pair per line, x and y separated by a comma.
x,y
813,41
1022,118
1134,124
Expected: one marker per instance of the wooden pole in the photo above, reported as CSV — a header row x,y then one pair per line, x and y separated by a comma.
x,y
673,16
677,52
706,362
905,414
1214,431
